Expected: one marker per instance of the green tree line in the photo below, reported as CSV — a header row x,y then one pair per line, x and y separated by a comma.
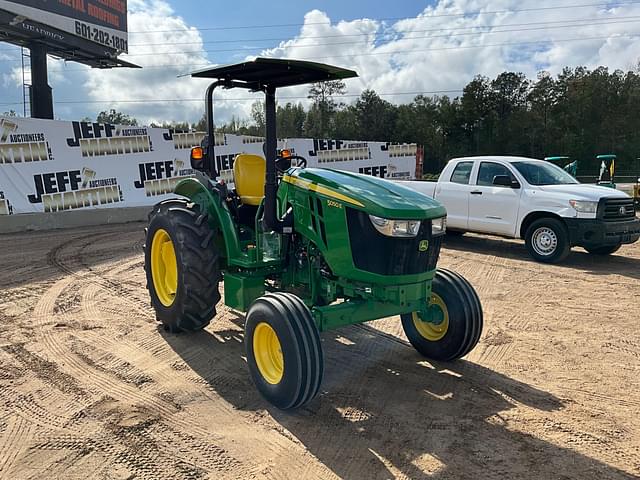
x,y
579,113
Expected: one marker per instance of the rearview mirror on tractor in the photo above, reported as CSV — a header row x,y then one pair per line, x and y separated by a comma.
x,y
197,158
505,181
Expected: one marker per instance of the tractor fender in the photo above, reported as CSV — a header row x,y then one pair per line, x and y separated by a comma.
x,y
219,215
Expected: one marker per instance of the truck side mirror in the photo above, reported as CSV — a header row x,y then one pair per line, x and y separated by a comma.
x,y
197,158
505,181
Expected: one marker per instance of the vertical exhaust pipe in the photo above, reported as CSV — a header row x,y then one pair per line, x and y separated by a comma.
x,y
270,220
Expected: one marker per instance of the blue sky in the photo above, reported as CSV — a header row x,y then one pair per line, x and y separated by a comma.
x,y
436,48
254,12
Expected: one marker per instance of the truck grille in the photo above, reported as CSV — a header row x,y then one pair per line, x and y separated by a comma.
x,y
377,253
614,209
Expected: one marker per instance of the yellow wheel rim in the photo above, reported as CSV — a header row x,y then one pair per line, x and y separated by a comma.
x,y
268,353
430,331
164,267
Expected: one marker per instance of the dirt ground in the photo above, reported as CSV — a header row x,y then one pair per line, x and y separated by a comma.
x,y
90,387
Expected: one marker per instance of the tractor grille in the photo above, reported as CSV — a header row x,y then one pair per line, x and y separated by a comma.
x,y
377,253
615,209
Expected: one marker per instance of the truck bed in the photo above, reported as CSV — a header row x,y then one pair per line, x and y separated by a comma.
x,y
422,186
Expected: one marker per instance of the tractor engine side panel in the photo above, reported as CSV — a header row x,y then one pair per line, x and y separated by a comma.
x,y
324,222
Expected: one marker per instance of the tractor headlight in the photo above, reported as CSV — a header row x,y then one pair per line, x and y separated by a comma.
x,y
395,228
582,206
438,226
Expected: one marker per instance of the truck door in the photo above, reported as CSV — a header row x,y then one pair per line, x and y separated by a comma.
x,y
493,208
453,193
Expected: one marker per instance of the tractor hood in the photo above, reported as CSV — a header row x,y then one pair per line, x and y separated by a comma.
x,y
374,195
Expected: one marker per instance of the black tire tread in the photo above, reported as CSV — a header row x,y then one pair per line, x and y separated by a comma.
x,y
302,327
198,265
475,309
315,353
472,317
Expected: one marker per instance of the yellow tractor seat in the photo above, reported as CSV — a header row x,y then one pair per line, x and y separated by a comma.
x,y
249,172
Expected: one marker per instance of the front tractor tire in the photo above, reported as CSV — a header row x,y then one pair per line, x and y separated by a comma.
x,y
181,263
457,322
284,353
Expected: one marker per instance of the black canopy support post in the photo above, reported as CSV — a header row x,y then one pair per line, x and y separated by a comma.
x,y
271,185
41,96
210,164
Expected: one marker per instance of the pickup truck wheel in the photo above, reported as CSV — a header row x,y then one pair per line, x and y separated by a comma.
x,y
456,323
608,250
547,240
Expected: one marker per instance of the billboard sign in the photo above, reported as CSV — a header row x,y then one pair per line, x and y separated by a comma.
x,y
100,22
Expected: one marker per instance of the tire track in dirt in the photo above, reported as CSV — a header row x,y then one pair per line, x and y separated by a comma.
x,y
155,356
81,270
32,410
103,381
483,278
79,369
12,443
46,371
539,269
152,360
601,441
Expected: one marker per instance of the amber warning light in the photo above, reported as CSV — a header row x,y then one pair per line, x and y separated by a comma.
x,y
197,153
197,156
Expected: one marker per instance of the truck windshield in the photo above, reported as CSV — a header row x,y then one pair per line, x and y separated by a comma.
x,y
543,173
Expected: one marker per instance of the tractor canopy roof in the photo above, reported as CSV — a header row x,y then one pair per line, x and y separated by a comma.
x,y
606,157
556,159
275,72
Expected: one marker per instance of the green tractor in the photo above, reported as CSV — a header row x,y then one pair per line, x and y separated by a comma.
x,y
301,251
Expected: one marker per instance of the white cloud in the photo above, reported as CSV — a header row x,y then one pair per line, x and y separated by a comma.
x,y
438,50
435,51
155,28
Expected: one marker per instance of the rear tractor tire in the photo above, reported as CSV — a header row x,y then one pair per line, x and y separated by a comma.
x,y
457,319
283,348
181,262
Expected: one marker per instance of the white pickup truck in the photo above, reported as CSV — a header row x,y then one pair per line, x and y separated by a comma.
x,y
535,200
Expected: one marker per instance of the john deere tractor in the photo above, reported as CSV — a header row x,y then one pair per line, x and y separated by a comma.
x,y
301,251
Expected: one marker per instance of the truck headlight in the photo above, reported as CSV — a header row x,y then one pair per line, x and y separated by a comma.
x,y
395,228
438,226
584,206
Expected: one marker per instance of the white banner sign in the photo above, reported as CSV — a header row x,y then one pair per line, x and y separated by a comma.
x,y
50,166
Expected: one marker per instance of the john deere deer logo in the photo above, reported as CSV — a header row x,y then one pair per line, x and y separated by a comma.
x,y
424,245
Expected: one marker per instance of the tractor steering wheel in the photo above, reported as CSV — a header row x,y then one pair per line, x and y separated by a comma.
x,y
284,163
